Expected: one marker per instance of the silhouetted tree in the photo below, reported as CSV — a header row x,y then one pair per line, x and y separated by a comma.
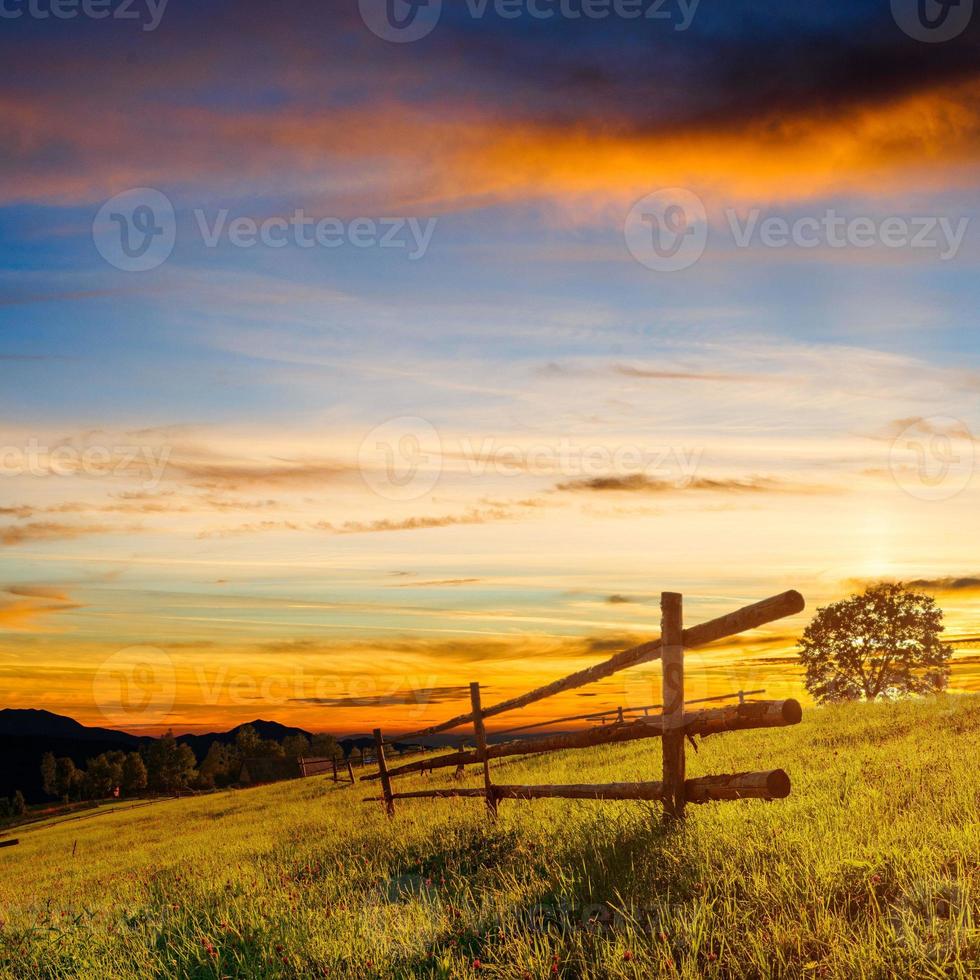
x,y
220,766
887,638
18,805
247,741
134,776
324,746
104,774
295,746
49,774
68,778
170,767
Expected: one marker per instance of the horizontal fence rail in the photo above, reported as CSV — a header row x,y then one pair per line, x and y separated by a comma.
x,y
749,617
771,785
615,712
675,726
732,718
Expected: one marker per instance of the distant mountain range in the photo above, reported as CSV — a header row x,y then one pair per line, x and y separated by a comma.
x,y
266,729
37,723
27,733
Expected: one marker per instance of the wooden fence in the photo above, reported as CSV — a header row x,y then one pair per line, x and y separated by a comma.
x,y
317,767
674,726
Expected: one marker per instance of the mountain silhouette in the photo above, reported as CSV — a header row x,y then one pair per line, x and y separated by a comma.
x,y
38,723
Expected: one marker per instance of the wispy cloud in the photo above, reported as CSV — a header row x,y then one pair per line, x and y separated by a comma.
x,y
947,584
423,696
628,371
640,483
23,606
50,531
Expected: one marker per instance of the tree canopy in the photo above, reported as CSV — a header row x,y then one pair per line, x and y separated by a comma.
x,y
888,638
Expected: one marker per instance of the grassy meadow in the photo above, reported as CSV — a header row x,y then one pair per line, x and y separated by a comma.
x,y
871,868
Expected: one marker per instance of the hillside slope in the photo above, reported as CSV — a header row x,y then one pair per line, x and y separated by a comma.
x,y
870,869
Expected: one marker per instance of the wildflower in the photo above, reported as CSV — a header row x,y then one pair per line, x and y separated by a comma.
x,y
627,956
477,965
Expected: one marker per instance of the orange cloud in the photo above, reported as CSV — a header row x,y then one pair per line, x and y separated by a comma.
x,y
21,606
463,158
49,531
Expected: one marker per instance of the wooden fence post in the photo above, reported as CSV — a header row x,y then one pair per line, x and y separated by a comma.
x,y
350,771
333,760
479,730
671,633
383,770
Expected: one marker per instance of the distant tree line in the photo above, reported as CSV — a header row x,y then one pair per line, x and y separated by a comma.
x,y
10,808
169,767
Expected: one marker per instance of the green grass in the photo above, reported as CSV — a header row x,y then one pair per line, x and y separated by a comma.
x,y
870,869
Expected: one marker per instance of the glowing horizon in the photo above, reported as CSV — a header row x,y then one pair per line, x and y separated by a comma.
x,y
320,478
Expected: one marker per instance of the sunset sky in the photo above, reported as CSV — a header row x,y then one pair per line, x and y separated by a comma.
x,y
331,484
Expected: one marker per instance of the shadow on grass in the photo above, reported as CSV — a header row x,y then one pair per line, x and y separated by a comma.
x,y
568,914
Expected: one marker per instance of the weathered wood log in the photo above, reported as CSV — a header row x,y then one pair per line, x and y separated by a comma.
x,y
749,617
644,708
480,733
9,843
672,655
772,785
383,772
708,721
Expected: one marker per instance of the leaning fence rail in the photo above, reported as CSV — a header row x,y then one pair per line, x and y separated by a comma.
x,y
674,726
620,712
